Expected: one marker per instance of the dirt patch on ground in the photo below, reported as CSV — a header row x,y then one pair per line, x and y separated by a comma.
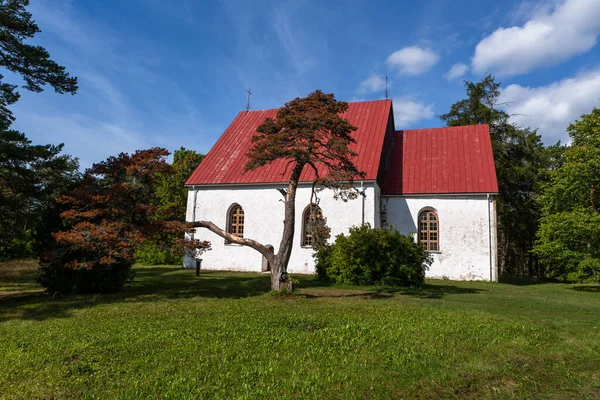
x,y
17,278
338,293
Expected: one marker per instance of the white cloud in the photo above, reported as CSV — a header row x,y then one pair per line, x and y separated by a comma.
x,y
551,36
374,83
552,108
412,60
457,71
408,112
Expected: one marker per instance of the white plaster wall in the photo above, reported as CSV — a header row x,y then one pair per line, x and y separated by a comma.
x,y
463,233
263,221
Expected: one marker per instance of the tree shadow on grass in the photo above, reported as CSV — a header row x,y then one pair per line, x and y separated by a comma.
x,y
313,288
588,289
152,284
523,281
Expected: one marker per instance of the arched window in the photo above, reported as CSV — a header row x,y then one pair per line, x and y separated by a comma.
x,y
307,223
235,221
429,231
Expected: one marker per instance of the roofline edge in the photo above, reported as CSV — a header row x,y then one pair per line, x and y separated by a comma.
x,y
217,185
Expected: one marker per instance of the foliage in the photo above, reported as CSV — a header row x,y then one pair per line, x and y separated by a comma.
x,y
32,63
317,227
322,258
174,336
569,235
115,210
374,256
99,278
521,163
158,252
170,189
30,175
309,132
21,246
172,198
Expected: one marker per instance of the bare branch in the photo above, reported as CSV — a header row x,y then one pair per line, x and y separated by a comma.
x,y
232,238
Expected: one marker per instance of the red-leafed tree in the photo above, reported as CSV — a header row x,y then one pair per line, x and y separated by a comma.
x,y
113,211
308,133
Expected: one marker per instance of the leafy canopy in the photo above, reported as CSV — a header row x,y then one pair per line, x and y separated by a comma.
x,y
30,175
569,234
116,208
310,131
32,63
172,198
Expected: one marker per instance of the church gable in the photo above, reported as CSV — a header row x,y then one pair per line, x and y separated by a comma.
x,y
224,163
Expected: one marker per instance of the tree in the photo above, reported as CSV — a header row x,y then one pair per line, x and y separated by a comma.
x,y
113,211
32,63
569,235
521,163
307,133
30,175
172,195
171,190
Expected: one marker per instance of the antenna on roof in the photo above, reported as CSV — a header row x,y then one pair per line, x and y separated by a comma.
x,y
248,103
386,87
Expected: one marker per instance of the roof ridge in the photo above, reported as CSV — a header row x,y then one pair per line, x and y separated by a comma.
x,y
349,102
439,127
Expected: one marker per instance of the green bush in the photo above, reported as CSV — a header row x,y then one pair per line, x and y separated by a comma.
x,y
373,256
569,245
21,246
56,277
322,261
150,253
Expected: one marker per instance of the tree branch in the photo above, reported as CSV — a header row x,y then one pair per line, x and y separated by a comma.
x,y
232,238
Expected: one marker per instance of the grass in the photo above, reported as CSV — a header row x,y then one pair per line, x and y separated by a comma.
x,y
175,336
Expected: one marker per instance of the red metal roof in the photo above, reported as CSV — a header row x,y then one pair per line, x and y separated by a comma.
x,y
224,163
442,160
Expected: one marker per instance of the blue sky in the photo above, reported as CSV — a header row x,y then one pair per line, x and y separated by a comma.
x,y
175,73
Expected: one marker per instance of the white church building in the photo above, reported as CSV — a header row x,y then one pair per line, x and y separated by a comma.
x,y
438,184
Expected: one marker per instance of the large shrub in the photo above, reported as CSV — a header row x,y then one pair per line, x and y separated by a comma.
x,y
373,256
106,218
152,253
57,276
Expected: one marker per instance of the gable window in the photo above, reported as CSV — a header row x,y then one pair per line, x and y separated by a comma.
x,y
308,222
429,231
235,221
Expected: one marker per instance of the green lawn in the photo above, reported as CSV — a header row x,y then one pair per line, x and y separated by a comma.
x,y
173,335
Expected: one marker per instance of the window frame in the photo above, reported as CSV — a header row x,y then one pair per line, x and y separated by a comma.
x,y
307,236
428,230
231,216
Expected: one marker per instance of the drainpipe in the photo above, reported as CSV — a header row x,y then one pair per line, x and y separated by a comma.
x,y
363,194
490,235
194,230
194,205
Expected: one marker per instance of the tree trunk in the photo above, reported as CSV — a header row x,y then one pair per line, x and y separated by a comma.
x,y
279,262
282,259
